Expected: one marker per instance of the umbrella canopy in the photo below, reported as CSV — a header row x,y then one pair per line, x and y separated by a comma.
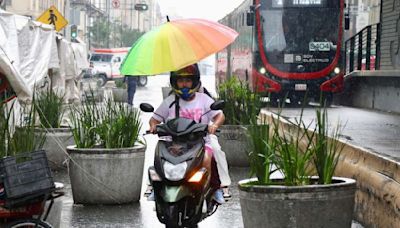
x,y
176,44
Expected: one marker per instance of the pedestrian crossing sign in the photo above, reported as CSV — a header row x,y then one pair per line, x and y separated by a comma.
x,y
53,17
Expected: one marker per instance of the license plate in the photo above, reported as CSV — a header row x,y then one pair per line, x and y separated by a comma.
x,y
319,46
300,87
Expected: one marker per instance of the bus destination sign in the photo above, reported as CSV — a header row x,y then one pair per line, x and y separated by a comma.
x,y
298,3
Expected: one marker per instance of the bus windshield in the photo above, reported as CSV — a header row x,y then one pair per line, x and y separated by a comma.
x,y
300,32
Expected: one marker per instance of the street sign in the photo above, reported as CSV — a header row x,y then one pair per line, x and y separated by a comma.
x,y
115,3
53,17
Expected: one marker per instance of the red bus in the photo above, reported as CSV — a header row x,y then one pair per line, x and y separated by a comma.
x,y
286,48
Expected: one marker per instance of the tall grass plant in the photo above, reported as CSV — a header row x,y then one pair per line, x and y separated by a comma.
x,y
297,150
241,102
50,108
104,125
294,151
326,147
25,138
261,150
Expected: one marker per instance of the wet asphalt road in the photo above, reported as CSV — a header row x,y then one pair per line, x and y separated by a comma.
x,y
142,214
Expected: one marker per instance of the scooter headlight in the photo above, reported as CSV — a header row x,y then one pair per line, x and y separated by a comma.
x,y
174,172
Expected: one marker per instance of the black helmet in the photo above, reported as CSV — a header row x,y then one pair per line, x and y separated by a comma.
x,y
192,72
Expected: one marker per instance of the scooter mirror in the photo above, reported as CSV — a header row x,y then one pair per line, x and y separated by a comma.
x,y
218,105
145,107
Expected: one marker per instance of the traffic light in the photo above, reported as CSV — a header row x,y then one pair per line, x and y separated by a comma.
x,y
74,31
141,6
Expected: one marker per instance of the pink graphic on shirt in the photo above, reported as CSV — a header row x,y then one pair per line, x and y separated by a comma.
x,y
209,149
193,114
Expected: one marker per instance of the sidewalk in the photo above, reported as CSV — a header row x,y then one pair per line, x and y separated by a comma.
x,y
377,132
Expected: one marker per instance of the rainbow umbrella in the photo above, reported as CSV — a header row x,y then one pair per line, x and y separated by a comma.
x,y
176,44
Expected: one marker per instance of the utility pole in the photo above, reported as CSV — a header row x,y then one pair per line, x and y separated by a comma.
x,y
67,9
138,21
89,22
120,37
108,21
131,9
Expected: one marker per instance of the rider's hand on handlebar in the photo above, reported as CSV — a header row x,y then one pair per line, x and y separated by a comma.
x,y
212,129
153,129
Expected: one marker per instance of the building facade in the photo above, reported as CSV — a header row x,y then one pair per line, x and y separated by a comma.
x,y
84,12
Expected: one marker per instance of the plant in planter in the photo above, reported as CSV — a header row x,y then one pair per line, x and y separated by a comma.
x,y
296,199
241,105
24,137
50,108
18,137
106,164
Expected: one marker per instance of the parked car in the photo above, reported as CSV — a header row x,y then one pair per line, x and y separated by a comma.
x,y
105,64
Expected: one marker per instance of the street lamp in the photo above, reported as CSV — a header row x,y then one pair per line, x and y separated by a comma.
x,y
141,6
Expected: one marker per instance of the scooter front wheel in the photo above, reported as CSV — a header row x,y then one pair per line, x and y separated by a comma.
x,y
174,217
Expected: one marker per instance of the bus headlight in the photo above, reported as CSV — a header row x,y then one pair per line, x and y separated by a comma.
x,y
262,70
336,70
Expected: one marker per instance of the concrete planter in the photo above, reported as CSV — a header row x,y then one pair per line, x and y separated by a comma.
x,y
57,140
120,95
276,206
106,176
234,143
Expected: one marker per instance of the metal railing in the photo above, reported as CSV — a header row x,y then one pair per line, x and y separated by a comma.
x,y
362,51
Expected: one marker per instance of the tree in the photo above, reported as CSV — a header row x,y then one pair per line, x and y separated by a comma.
x,y
115,34
99,33
129,36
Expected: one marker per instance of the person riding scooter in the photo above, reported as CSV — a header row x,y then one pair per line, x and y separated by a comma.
x,y
218,154
188,103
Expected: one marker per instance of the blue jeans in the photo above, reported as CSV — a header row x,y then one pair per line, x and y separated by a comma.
x,y
131,81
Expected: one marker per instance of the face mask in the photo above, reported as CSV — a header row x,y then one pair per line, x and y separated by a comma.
x,y
185,93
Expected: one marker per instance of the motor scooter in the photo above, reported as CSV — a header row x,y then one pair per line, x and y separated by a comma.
x,y
182,190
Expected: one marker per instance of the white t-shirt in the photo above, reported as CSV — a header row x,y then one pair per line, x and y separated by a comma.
x,y
193,109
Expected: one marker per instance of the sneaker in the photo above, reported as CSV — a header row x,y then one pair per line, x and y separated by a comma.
x,y
151,197
227,193
219,196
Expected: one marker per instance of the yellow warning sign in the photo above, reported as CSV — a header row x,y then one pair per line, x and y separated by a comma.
x,y
53,17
